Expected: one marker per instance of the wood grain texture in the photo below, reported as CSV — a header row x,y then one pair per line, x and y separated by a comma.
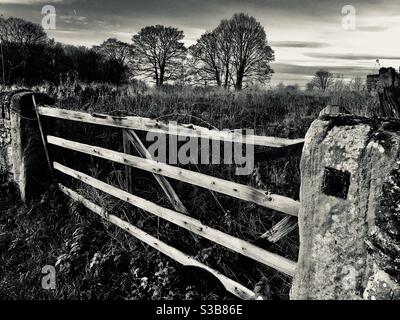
x,y
185,130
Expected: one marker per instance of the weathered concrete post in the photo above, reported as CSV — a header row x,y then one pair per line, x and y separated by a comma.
x,y
21,151
349,221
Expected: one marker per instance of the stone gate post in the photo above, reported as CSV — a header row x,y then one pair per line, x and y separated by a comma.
x,y
22,158
349,221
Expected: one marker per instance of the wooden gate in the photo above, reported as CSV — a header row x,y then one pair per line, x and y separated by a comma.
x,y
161,171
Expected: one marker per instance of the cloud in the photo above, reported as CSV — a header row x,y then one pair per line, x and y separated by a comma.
x,y
372,28
298,26
298,44
29,2
73,19
310,70
350,56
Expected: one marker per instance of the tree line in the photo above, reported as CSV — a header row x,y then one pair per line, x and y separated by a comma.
x,y
235,54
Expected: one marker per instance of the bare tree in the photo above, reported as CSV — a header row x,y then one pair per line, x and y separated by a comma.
x,y
19,39
212,56
234,53
225,45
21,32
113,49
206,62
323,79
249,50
118,59
159,52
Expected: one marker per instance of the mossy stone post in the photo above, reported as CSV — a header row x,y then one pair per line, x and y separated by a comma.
x,y
22,156
349,221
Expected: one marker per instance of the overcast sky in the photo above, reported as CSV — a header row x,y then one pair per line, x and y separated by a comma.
x,y
305,34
